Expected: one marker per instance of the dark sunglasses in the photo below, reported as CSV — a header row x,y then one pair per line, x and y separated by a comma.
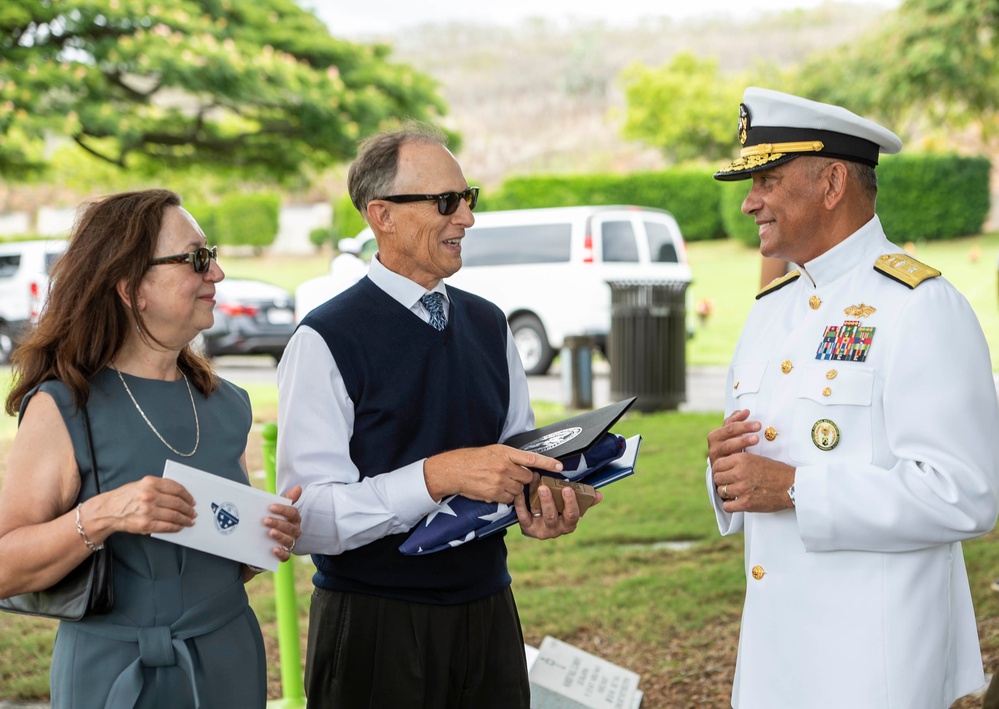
x,y
201,258
447,202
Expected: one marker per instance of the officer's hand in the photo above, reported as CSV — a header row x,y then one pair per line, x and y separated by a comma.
x,y
752,483
736,434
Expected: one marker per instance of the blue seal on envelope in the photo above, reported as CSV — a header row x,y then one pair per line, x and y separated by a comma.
x,y
226,517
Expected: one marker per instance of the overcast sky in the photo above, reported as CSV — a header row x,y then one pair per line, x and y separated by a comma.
x,y
349,18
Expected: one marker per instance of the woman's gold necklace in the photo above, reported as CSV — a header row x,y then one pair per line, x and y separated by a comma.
x,y
197,426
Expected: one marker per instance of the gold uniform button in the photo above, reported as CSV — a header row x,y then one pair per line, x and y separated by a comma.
x,y
814,302
826,392
758,572
770,433
786,366
831,374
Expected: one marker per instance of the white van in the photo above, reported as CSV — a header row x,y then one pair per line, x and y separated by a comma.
x,y
547,269
24,284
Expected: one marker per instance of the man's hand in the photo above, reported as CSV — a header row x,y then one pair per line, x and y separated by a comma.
x,y
495,473
548,523
746,481
735,435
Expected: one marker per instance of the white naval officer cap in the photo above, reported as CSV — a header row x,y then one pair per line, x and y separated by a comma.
x,y
775,127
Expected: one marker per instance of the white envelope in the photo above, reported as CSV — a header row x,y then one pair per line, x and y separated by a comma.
x,y
230,521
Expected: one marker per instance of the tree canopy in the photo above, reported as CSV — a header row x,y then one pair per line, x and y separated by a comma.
x,y
932,64
928,68
260,87
687,108
684,108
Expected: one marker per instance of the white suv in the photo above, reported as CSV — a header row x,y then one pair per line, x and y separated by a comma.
x,y
24,284
547,269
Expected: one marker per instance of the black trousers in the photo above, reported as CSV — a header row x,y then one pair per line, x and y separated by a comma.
x,y
367,652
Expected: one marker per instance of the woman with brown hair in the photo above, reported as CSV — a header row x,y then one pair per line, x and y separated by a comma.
x,y
134,288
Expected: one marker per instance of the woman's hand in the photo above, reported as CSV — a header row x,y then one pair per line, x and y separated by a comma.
x,y
286,525
151,504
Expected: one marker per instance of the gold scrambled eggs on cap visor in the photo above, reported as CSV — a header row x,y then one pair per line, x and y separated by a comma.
x,y
775,127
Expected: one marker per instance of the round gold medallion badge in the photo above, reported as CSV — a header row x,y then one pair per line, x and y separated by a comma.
x,y
825,435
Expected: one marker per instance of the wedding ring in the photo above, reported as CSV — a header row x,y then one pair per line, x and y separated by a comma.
x,y
724,492
292,547
537,514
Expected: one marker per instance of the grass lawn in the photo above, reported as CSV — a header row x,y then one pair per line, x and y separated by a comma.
x,y
727,274
618,587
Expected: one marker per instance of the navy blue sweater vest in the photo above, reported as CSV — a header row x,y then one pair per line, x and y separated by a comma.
x,y
416,392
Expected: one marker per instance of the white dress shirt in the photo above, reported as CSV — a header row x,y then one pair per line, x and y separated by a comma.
x,y
340,511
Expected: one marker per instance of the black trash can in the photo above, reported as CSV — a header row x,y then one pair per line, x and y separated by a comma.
x,y
647,347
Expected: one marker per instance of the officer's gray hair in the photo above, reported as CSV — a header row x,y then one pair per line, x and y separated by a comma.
x,y
862,174
866,178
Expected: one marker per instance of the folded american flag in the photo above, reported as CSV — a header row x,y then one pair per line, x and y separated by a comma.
x,y
458,519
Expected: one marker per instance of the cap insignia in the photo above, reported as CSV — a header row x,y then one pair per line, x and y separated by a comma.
x,y
743,123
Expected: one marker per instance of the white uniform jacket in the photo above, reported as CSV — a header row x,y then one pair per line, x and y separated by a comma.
x,y
882,397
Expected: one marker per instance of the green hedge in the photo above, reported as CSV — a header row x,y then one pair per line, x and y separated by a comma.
x,y
737,225
248,219
920,197
932,196
347,221
204,213
688,193
239,219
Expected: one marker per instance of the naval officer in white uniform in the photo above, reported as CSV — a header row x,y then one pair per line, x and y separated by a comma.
x,y
860,444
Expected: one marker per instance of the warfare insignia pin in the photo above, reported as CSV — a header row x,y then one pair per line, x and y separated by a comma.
x,y
860,311
825,435
849,342
226,517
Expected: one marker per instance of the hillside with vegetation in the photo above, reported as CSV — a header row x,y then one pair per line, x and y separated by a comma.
x,y
544,97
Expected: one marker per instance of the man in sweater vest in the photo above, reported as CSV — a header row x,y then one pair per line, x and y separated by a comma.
x,y
393,397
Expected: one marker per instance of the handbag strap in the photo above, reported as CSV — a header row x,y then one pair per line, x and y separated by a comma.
x,y
90,447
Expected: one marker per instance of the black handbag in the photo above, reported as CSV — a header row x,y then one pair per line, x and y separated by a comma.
x,y
86,590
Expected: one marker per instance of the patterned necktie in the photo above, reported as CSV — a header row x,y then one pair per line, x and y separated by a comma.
x,y
432,302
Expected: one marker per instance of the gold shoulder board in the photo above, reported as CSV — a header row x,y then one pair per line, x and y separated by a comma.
x,y
778,283
904,269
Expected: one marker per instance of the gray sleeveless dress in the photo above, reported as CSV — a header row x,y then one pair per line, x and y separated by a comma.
x,y
182,633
